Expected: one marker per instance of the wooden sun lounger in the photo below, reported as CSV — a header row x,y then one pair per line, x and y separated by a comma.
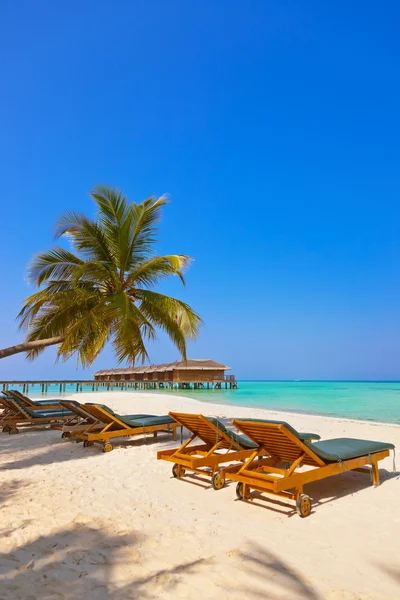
x,y
284,445
18,414
32,404
87,418
108,425
220,446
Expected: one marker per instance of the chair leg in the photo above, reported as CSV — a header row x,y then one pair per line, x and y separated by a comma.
x,y
375,474
298,491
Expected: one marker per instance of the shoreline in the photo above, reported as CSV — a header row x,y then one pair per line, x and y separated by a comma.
x,y
287,412
376,402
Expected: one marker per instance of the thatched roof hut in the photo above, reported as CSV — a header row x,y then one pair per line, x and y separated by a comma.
x,y
180,370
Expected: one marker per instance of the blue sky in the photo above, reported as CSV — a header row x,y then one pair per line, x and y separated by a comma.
x,y
274,126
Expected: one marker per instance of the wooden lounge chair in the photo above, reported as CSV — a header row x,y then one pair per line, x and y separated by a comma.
x,y
18,414
86,417
220,445
285,446
109,425
32,404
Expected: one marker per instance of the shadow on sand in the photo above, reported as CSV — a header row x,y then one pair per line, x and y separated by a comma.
x,y
269,577
79,563
46,447
86,562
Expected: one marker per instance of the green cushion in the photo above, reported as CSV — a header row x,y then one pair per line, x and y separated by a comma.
x,y
345,448
147,421
18,396
40,414
304,435
44,402
137,416
243,440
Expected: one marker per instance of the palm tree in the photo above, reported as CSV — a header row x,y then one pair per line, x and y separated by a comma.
x,y
102,290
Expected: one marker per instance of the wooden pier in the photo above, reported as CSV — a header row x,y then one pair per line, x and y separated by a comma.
x,y
95,386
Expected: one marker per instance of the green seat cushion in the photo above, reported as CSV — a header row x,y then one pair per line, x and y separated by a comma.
x,y
147,416
41,414
305,435
45,402
146,421
345,448
16,394
242,440
63,412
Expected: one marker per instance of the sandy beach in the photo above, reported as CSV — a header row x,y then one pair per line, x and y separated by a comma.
x,y
77,523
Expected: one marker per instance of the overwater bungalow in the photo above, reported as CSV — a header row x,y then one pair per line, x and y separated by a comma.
x,y
198,373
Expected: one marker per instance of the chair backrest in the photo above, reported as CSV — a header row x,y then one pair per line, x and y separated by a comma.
x,y
40,404
78,409
279,440
19,408
100,413
18,396
208,429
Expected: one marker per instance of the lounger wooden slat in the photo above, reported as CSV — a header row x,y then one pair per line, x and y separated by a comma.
x,y
290,452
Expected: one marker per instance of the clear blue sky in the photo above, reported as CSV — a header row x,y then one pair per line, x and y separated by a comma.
x,y
273,125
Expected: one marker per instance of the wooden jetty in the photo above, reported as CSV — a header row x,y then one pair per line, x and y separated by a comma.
x,y
112,384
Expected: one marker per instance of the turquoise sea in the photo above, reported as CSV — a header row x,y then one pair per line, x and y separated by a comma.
x,y
367,400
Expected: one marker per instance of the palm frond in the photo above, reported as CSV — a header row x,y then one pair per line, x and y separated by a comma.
x,y
173,316
57,264
149,272
129,328
86,237
146,217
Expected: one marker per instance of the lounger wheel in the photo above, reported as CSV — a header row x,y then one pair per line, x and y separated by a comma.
x,y
66,434
218,480
6,428
239,491
107,447
13,431
303,505
87,444
178,471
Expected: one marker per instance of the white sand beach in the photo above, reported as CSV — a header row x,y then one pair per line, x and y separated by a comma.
x,y
77,523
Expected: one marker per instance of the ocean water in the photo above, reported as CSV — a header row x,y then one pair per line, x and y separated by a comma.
x,y
366,400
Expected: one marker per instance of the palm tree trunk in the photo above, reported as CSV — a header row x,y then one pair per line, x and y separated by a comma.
x,y
26,346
